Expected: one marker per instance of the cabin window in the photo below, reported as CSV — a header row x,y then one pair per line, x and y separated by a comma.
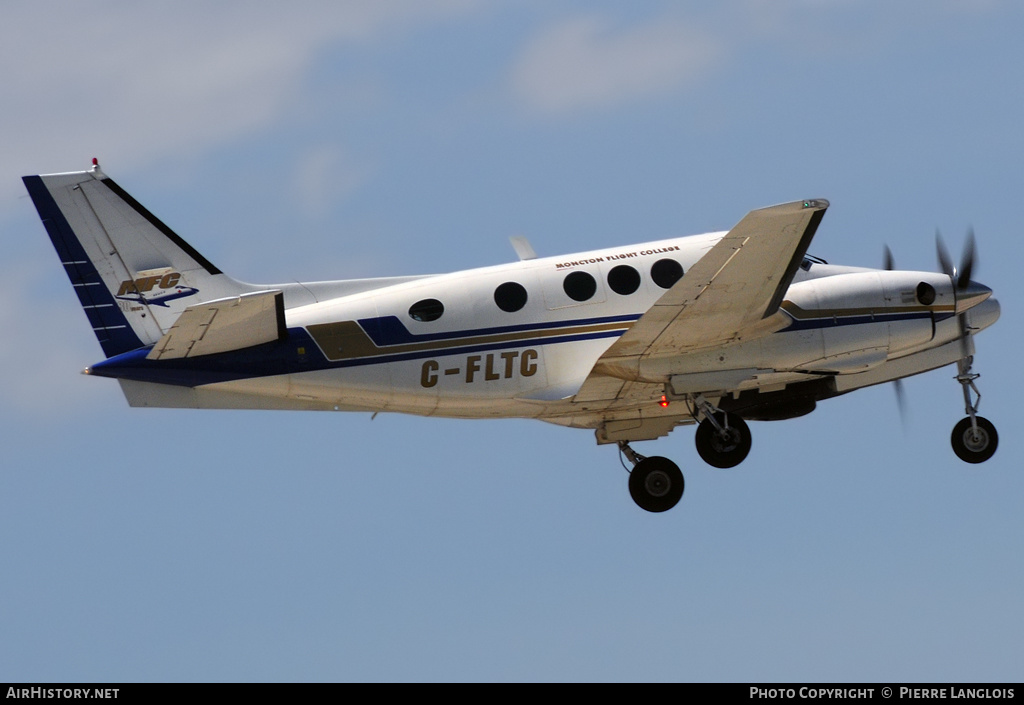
x,y
579,286
510,296
666,272
624,279
426,310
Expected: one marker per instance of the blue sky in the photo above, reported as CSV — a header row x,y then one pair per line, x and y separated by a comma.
x,y
346,139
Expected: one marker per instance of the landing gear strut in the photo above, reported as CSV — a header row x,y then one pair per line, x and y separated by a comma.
x,y
723,440
656,484
974,438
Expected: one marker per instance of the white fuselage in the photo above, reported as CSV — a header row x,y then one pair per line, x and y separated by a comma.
x,y
859,326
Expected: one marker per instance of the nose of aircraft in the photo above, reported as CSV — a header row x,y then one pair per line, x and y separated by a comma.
x,y
972,295
985,312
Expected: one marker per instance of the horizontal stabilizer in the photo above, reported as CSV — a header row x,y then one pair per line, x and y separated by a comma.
x,y
222,325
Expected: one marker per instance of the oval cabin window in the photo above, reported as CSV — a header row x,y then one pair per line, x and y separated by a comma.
x,y
426,310
510,296
666,272
624,280
579,286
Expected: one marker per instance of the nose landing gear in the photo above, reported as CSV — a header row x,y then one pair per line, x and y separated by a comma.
x,y
974,438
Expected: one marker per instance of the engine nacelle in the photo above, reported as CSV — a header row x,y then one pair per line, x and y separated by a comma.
x,y
859,320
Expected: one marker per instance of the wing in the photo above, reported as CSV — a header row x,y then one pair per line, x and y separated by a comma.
x,y
730,294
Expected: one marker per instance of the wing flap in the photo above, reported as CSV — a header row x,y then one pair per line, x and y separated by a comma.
x,y
222,325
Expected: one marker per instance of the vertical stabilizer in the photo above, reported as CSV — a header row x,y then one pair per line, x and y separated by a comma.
x,y
133,274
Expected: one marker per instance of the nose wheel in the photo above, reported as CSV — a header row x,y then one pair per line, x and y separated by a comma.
x,y
656,484
974,442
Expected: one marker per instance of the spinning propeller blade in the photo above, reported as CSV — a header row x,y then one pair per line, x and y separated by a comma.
x,y
890,263
966,262
945,263
901,401
960,278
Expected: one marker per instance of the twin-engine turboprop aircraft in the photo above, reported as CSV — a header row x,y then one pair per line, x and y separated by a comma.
x,y
631,342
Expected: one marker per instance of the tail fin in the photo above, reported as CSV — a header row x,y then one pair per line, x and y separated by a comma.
x,y
132,273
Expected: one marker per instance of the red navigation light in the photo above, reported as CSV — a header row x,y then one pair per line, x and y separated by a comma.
x,y
664,401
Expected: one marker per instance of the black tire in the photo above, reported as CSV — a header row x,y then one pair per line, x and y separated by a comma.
x,y
728,451
656,484
974,449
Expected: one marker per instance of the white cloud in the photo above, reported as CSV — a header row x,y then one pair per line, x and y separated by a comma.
x,y
323,176
583,63
136,82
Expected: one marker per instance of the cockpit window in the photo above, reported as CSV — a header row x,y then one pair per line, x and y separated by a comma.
x,y
811,260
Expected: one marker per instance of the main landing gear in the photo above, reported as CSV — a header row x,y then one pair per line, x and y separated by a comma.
x,y
974,438
723,440
656,484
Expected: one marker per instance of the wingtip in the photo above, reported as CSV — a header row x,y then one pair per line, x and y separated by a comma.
x,y
791,207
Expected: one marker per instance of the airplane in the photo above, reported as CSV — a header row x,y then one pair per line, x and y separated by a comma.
x,y
710,330
179,293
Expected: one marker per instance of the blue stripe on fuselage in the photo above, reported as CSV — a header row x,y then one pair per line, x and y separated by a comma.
x,y
832,321
283,357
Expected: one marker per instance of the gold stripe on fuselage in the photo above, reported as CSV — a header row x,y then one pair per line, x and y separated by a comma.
x,y
346,340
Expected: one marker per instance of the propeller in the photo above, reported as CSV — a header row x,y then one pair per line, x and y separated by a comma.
x,y
901,401
967,261
889,262
960,278
945,261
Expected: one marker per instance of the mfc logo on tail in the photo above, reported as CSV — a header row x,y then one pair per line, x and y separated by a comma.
x,y
143,284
